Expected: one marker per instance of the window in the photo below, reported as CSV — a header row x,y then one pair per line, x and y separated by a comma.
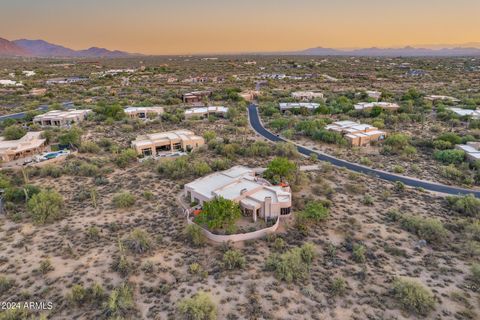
x,y
285,211
147,152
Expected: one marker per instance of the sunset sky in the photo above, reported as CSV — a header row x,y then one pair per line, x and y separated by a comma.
x,y
213,26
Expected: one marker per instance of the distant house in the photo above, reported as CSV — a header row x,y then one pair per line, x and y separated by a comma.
x,y
370,105
441,98
206,111
374,94
155,144
143,112
307,95
475,114
29,145
249,95
61,118
66,80
357,134
472,152
284,106
256,196
28,73
38,91
11,83
195,96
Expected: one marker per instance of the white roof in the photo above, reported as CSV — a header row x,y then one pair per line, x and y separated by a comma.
x,y
144,109
368,105
204,110
293,105
148,139
62,114
465,112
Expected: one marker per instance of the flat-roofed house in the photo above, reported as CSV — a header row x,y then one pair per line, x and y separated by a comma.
x,y
472,150
371,105
249,95
475,114
143,112
284,106
165,142
441,98
66,80
357,134
195,96
256,196
374,94
30,144
206,111
60,118
307,95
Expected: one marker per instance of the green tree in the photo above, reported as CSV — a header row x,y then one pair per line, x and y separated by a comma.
x,y
73,137
13,132
280,169
219,213
45,206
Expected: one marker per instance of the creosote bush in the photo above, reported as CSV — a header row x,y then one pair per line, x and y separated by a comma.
x,y
467,205
413,296
124,200
429,229
293,265
198,307
138,241
120,302
233,259
194,235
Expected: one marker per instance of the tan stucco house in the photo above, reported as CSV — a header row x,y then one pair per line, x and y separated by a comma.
x,y
163,142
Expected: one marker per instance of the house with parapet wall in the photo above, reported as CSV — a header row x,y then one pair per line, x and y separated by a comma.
x,y
29,145
357,134
285,106
66,80
61,118
374,94
143,112
471,149
475,114
155,144
307,95
441,98
196,96
204,112
371,105
256,196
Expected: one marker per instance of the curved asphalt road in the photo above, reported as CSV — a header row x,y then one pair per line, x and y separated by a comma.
x,y
258,127
21,115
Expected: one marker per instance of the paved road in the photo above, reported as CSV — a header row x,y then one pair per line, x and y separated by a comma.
x,y
21,115
258,127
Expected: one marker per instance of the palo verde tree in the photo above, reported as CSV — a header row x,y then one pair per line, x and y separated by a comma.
x,y
280,169
219,213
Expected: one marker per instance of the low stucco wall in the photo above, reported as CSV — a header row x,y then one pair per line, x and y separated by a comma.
x,y
239,236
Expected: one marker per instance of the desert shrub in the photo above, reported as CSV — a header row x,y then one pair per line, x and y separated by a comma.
x,y
126,157
365,161
233,259
429,229
198,307
194,235
51,170
93,233
473,230
138,241
183,167
367,200
467,205
315,212
45,206
201,168
396,143
475,274
219,213
123,200
220,164
6,284
451,137
72,137
45,266
89,147
451,172
398,169
442,145
450,156
399,186
209,135
119,303
338,287
293,265
285,149
329,137
14,132
358,253
19,195
77,295
413,296
259,149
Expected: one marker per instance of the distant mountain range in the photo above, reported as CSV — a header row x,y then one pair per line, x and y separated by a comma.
x,y
388,52
41,48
